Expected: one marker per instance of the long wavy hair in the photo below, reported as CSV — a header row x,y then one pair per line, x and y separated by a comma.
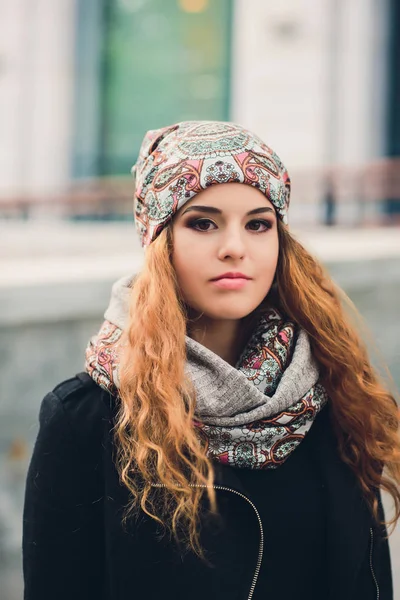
x,y
161,460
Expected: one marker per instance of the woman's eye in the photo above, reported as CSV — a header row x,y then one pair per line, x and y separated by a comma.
x,y
259,226
201,224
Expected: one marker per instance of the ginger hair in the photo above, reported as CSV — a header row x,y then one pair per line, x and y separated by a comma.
x,y
160,458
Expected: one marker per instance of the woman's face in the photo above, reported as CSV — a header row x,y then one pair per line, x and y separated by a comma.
x,y
229,228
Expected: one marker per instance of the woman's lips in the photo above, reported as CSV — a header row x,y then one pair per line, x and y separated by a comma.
x,y
228,283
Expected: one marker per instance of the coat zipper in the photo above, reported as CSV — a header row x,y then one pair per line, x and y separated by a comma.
x,y
261,546
371,565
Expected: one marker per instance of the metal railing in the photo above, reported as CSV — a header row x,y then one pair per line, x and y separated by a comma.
x,y
372,189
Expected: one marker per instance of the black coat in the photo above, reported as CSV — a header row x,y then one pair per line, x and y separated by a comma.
x,y
75,547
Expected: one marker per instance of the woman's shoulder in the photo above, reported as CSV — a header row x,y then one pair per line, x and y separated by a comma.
x,y
77,406
81,390
65,474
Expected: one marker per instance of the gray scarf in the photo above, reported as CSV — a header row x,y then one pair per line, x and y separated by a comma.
x,y
250,415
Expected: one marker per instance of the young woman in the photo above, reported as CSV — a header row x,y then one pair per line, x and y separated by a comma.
x,y
229,438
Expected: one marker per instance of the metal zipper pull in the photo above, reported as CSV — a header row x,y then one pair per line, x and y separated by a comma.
x,y
371,565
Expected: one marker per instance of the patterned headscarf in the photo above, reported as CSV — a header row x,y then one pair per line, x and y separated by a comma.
x,y
177,162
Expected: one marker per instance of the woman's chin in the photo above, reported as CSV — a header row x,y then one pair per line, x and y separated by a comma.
x,y
228,313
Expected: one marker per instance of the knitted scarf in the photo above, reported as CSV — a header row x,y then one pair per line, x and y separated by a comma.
x,y
251,415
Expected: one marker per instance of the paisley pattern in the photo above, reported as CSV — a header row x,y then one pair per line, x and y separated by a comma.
x,y
102,357
263,444
268,352
175,163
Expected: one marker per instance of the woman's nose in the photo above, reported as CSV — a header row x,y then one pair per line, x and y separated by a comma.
x,y
232,245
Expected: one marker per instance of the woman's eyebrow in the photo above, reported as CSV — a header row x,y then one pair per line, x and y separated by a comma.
x,y
262,209
217,211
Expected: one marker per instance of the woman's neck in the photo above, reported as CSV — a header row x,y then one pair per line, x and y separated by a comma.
x,y
221,337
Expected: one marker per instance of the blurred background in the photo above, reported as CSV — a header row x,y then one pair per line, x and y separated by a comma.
x,y
81,82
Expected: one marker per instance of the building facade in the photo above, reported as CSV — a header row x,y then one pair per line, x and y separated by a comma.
x,y
84,79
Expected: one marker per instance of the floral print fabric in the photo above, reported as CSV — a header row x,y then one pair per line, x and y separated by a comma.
x,y
177,162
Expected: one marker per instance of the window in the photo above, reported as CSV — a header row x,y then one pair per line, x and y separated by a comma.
x,y
163,61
